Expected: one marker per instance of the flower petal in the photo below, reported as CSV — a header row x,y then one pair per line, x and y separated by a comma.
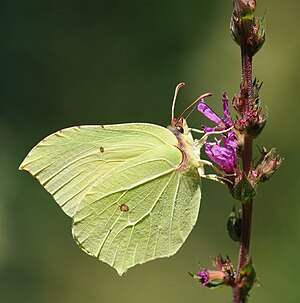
x,y
203,276
208,112
224,156
226,107
230,140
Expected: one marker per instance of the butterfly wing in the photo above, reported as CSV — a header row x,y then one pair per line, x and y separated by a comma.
x,y
124,186
143,210
69,162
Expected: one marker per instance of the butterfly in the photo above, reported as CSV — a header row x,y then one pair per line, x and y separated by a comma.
x,y
133,190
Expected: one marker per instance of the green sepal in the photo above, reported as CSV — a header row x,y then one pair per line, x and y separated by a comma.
x,y
260,23
243,190
215,284
248,277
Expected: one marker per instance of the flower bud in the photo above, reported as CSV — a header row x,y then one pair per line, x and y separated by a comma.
x,y
234,225
246,30
210,278
252,120
244,8
225,275
268,165
255,127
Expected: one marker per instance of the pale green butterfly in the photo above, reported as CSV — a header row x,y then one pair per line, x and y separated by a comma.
x,y
133,190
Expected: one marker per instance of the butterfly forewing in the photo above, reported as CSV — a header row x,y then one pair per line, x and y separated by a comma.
x,y
69,162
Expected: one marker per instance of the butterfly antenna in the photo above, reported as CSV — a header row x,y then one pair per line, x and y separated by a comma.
x,y
195,102
175,96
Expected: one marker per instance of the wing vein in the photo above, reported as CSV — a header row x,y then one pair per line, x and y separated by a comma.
x,y
173,210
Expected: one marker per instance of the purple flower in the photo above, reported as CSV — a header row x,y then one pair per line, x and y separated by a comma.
x,y
203,276
224,275
223,123
222,152
211,278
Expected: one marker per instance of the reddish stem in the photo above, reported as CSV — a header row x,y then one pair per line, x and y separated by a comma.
x,y
239,296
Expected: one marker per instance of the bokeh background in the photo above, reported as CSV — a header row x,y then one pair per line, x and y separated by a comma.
x,y
66,63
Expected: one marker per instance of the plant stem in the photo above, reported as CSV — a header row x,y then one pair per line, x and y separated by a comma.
x,y
239,296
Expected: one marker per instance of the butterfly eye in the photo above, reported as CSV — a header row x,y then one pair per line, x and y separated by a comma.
x,y
179,128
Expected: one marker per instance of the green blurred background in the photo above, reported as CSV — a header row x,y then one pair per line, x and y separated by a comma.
x,y
66,63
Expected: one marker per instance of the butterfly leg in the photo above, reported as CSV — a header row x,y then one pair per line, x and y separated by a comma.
x,y
219,178
195,130
198,145
214,178
202,174
203,139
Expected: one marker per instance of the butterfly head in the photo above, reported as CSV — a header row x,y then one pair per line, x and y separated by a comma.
x,y
179,126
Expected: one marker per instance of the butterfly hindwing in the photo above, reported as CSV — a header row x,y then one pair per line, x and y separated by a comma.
x,y
143,210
